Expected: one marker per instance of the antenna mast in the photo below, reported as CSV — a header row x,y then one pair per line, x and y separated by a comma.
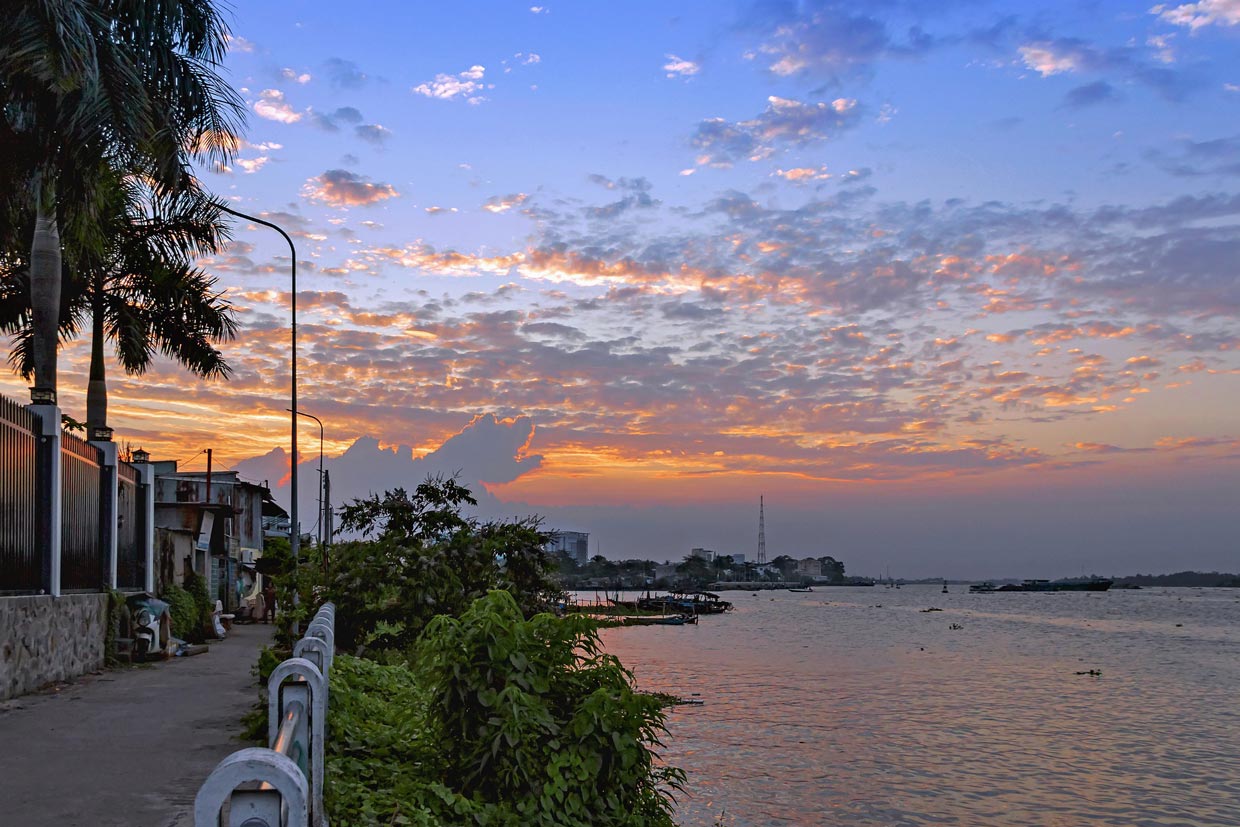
x,y
761,533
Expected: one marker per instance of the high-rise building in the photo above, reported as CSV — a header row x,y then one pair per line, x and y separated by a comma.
x,y
575,544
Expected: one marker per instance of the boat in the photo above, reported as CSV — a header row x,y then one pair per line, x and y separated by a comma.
x,y
694,603
982,588
807,589
677,620
1087,584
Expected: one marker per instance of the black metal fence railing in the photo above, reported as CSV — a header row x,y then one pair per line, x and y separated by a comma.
x,y
20,561
80,552
130,529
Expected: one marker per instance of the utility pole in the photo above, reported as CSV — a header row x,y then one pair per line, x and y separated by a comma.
x,y
208,476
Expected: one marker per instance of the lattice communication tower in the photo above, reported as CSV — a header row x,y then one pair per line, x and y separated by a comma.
x,y
761,533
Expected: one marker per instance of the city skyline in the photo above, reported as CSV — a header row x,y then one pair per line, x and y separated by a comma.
x,y
953,286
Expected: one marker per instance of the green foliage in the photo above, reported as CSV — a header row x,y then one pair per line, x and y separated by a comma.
x,y
533,715
197,588
428,560
186,618
502,721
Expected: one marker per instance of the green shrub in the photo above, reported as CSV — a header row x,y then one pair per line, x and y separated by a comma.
x,y
197,588
533,715
502,722
184,612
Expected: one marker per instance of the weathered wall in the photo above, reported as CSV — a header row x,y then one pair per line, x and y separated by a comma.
x,y
45,639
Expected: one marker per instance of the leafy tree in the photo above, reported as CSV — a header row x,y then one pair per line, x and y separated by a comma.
x,y
832,568
427,560
695,570
126,84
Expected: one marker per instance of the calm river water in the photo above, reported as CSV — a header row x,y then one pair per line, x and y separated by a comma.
x,y
852,706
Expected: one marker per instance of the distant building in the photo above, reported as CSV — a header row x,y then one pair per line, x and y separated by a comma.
x,y
214,528
738,559
576,544
703,553
809,567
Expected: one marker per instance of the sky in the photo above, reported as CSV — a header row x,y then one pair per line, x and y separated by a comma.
x,y
951,285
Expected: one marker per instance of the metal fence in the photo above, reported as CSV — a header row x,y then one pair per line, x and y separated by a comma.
x,y
20,561
80,552
130,529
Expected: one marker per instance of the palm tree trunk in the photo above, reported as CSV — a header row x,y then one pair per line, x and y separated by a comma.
x,y
45,277
97,387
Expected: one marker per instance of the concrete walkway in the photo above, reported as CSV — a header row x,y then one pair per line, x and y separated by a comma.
x,y
127,747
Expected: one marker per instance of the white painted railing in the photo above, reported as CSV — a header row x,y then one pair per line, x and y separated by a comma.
x,y
281,786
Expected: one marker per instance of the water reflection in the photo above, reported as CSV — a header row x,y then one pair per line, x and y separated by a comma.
x,y
855,707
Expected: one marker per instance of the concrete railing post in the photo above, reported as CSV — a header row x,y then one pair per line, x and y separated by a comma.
x,y
297,679
259,808
296,734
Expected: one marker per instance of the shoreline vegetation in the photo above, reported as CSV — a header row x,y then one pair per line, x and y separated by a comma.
x,y
459,696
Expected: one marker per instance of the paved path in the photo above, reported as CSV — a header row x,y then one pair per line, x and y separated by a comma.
x,y
128,747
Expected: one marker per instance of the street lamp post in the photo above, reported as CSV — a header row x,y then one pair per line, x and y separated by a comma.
x,y
319,522
295,529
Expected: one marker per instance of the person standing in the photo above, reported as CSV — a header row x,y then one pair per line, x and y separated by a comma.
x,y
269,599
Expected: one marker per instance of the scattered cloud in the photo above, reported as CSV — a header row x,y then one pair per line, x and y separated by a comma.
x,y
252,165
239,44
784,123
833,40
374,133
1200,14
1194,159
802,175
272,106
1091,94
678,67
295,76
331,121
464,85
503,203
341,188
345,74
439,210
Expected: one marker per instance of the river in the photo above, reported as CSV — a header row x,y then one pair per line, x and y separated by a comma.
x,y
853,706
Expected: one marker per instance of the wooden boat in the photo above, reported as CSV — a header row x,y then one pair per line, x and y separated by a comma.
x,y
693,603
807,589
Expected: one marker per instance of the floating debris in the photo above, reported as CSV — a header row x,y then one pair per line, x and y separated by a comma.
x,y
1097,673
955,627
931,609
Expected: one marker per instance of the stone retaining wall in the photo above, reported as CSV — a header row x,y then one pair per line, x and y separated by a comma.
x,y
45,639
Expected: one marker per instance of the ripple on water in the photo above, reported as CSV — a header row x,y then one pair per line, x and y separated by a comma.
x,y
822,709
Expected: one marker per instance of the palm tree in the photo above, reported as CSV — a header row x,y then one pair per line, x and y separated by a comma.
x,y
138,287
125,83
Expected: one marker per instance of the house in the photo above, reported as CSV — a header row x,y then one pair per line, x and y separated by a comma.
x,y
212,524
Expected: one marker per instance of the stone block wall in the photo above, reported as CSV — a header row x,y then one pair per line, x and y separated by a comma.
x,y
45,639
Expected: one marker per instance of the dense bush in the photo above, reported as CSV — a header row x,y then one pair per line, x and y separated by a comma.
x,y
186,615
533,716
500,721
426,560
